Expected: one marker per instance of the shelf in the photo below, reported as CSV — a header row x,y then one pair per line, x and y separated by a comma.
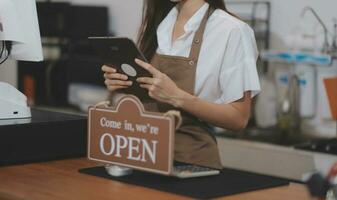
x,y
297,57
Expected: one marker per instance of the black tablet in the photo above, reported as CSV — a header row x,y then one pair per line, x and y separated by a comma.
x,y
121,53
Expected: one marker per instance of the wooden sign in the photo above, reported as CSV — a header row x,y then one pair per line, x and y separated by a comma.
x,y
129,136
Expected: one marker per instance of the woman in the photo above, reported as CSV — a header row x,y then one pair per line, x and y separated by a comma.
x,y
203,62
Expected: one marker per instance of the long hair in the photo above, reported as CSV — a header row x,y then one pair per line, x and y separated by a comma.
x,y
154,11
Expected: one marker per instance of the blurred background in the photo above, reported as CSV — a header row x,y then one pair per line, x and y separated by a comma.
x,y
298,50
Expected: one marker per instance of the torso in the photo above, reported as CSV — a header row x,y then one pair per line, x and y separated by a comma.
x,y
178,30
209,83
193,143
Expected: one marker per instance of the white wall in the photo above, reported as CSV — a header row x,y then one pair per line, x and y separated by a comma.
x,y
286,15
125,17
8,72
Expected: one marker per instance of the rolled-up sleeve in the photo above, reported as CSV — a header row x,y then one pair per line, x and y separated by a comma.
x,y
238,72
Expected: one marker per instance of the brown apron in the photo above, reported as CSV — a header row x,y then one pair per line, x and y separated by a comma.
x,y
193,142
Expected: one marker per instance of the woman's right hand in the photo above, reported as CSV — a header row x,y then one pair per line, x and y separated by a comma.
x,y
113,80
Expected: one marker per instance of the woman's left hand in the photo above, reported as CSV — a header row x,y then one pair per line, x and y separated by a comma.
x,y
160,86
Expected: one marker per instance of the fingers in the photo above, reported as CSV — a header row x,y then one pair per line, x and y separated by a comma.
x,y
150,88
115,76
147,86
109,82
146,80
113,88
113,85
147,67
113,80
108,69
154,92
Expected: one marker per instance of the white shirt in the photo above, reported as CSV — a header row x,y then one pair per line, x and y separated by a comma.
x,y
227,61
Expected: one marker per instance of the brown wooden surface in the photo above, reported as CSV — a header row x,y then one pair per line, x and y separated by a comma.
x,y
61,180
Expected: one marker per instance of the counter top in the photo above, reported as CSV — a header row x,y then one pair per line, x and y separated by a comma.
x,y
61,180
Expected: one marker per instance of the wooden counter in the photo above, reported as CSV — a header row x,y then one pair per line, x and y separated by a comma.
x,y
61,180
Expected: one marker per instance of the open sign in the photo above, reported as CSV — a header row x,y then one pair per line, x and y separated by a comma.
x,y
129,136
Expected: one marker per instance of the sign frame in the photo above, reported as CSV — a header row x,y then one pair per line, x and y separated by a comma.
x,y
143,113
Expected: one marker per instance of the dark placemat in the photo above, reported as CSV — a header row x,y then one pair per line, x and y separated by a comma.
x,y
229,182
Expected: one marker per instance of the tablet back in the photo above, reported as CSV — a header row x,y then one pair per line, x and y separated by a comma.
x,y
120,53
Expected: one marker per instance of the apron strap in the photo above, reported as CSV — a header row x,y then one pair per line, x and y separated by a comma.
x,y
198,38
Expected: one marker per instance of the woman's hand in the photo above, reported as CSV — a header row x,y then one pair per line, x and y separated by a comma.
x,y
233,116
113,80
160,86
